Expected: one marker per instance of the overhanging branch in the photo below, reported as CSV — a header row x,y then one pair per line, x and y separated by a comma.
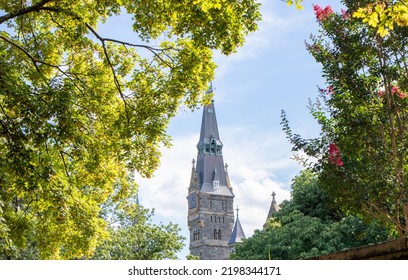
x,y
30,9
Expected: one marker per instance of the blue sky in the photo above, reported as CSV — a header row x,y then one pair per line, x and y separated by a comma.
x,y
273,71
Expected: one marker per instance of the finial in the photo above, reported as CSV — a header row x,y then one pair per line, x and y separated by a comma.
x,y
273,196
226,167
210,88
193,162
237,211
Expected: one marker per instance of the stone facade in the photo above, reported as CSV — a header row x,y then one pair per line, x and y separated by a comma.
x,y
211,224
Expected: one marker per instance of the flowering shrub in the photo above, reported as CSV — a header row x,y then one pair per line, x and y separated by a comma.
x,y
358,63
322,14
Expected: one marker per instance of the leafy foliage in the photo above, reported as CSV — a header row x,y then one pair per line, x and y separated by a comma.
x,y
298,4
136,238
384,15
381,15
308,225
80,113
361,153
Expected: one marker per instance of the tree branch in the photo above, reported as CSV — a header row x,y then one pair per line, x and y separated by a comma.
x,y
34,8
37,61
115,78
33,60
153,50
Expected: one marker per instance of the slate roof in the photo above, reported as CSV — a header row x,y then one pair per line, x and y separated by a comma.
x,y
274,206
209,127
211,166
238,234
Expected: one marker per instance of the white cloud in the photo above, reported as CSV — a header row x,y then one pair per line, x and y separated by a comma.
x,y
274,29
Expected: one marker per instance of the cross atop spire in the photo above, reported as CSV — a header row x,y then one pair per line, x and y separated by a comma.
x,y
237,211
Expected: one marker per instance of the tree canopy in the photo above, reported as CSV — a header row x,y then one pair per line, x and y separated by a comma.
x,y
134,237
362,151
80,113
307,226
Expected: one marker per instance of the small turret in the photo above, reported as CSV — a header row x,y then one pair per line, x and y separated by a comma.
x,y
237,235
273,209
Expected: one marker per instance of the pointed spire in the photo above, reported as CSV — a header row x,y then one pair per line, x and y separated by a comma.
x,y
274,207
210,164
209,134
238,234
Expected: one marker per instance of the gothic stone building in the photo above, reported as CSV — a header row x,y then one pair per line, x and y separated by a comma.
x,y
210,197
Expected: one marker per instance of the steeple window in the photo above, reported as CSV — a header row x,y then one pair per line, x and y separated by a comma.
x,y
196,235
217,234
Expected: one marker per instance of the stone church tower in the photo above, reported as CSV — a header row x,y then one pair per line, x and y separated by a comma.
x,y
210,196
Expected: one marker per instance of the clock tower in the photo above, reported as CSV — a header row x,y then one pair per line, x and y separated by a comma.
x,y
210,196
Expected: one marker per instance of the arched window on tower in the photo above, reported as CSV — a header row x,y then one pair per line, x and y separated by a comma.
x,y
219,234
215,234
196,235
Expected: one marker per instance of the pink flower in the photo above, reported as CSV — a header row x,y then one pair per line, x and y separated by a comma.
x,y
394,89
322,14
334,155
380,93
402,95
330,90
344,14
